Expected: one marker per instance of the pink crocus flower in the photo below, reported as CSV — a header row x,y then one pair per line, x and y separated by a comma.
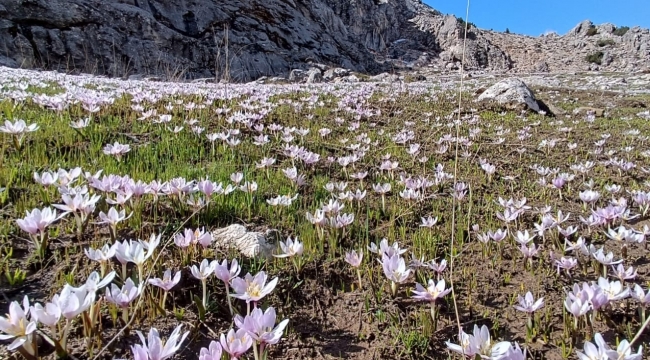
x,y
236,343
167,282
253,288
37,220
16,326
260,325
158,349
432,292
124,296
212,352
353,258
528,304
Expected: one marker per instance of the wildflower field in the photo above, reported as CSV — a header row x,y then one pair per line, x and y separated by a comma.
x,y
399,222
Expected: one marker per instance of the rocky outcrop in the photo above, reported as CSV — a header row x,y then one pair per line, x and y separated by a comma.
x,y
479,52
235,40
243,40
239,39
625,52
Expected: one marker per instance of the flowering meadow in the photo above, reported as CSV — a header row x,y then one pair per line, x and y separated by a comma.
x,y
401,224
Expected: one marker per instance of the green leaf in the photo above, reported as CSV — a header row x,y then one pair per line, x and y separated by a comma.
x,y
297,284
158,307
199,305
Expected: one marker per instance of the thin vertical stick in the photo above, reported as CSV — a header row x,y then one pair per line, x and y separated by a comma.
x,y
453,213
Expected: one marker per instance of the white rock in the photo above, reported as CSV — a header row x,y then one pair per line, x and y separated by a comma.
x,y
511,90
248,243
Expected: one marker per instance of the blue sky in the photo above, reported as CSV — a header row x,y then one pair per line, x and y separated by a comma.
x,y
531,17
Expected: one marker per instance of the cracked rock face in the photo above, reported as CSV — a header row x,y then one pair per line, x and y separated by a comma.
x,y
621,53
125,37
243,40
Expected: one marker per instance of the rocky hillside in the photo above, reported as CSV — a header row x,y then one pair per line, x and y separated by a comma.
x,y
245,39
608,47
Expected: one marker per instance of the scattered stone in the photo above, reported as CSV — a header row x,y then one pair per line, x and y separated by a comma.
x,y
585,110
136,77
541,67
554,109
204,80
385,77
297,75
314,75
451,66
334,73
347,79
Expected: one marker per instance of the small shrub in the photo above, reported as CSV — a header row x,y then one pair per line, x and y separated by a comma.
x,y
595,58
507,31
605,42
621,31
592,31
461,21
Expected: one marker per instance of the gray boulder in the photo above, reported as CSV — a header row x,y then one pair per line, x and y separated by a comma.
x,y
511,91
335,73
347,79
297,75
314,75
451,66
606,28
581,29
385,77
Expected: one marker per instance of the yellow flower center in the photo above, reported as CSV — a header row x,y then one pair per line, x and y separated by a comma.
x,y
486,349
465,343
254,290
22,326
434,292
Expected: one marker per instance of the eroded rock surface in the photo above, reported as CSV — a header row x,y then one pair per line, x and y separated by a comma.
x,y
511,91
243,40
248,243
